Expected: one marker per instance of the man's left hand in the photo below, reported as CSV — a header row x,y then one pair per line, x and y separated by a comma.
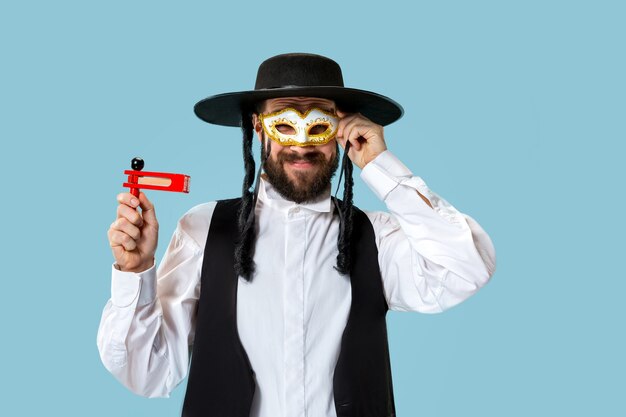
x,y
366,137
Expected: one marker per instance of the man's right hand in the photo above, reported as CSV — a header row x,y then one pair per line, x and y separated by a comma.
x,y
133,235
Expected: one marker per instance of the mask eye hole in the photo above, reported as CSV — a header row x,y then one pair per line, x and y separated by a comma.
x,y
318,129
285,129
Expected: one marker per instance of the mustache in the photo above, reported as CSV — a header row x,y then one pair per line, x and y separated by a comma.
x,y
313,157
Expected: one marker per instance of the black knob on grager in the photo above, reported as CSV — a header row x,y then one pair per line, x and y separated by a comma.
x,y
136,164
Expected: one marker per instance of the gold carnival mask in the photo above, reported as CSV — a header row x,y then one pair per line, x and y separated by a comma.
x,y
289,127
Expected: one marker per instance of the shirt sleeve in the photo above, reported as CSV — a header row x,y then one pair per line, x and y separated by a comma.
x,y
147,327
431,259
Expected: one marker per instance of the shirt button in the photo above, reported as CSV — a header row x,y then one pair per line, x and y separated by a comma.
x,y
295,210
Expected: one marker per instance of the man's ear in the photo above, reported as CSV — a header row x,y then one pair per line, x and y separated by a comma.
x,y
256,125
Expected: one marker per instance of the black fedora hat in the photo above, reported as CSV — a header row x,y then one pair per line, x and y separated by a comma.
x,y
298,75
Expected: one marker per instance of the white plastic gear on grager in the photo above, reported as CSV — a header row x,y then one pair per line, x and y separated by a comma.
x,y
299,126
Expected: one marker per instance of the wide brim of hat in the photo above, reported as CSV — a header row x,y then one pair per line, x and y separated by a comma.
x,y
226,109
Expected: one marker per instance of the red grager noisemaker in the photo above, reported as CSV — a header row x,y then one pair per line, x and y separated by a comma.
x,y
138,179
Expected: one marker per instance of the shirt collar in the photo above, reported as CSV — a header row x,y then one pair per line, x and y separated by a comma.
x,y
269,196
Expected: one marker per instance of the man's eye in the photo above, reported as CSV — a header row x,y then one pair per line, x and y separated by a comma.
x,y
318,129
286,129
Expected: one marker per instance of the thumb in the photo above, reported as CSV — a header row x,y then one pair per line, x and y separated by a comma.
x,y
341,141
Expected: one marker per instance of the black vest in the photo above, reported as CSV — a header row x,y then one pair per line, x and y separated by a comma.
x,y
221,380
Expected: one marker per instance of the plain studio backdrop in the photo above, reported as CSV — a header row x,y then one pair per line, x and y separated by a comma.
x,y
514,112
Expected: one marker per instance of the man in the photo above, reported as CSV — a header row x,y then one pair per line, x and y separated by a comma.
x,y
282,294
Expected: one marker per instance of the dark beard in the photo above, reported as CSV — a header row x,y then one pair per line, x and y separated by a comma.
x,y
308,186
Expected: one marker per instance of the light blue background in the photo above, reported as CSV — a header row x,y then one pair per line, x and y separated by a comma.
x,y
514,113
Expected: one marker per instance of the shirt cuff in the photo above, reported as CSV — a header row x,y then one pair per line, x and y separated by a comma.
x,y
385,173
132,288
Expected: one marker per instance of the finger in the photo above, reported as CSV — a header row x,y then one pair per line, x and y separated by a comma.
x,y
344,123
128,199
351,120
147,210
353,134
343,137
350,152
343,143
118,254
117,239
123,225
124,211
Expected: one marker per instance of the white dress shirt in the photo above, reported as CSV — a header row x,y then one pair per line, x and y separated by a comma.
x,y
291,316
